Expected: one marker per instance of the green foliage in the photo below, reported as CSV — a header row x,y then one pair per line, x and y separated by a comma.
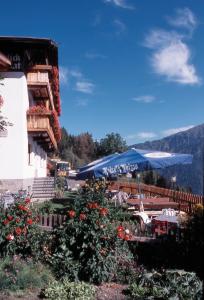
x,y
17,274
168,284
78,150
87,246
46,207
192,243
69,290
112,143
81,149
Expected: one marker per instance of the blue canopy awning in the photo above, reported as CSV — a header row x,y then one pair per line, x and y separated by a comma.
x,y
135,160
100,160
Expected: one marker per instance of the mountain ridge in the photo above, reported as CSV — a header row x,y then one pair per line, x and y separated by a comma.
x,y
190,141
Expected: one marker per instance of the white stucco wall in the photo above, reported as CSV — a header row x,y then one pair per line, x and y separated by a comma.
x,y
14,147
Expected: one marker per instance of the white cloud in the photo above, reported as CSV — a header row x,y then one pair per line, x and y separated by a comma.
x,y
75,73
120,3
184,18
120,26
141,136
175,130
86,87
94,55
63,75
171,57
144,99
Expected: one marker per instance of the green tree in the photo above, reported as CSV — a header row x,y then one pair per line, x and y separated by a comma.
x,y
112,143
78,150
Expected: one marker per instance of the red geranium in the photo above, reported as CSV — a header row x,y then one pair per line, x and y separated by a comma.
x,y
120,228
27,200
10,237
103,211
22,207
1,101
18,220
89,205
18,230
92,205
10,218
29,221
6,221
71,213
120,235
127,237
82,217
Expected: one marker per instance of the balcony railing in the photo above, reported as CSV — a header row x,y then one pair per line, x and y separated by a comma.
x,y
39,126
38,81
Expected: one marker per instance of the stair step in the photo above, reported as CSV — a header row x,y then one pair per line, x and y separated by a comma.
x,y
43,186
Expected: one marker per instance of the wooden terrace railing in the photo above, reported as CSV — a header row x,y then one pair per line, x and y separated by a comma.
x,y
187,201
37,123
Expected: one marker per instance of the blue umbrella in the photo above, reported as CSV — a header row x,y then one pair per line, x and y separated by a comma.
x,y
100,160
135,160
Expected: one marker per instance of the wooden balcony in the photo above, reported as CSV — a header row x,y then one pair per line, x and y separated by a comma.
x,y
39,126
38,80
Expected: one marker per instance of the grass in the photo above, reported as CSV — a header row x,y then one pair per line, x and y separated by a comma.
x,y
58,205
18,275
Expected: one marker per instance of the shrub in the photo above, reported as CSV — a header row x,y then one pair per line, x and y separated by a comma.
x,y
18,274
19,232
89,245
168,284
192,244
70,290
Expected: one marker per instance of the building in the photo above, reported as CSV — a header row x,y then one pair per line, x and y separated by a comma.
x,y
30,92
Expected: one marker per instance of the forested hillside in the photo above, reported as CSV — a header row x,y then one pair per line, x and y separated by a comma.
x,y
190,141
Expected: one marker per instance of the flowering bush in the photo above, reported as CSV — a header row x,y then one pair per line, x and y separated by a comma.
x,y
55,87
38,109
56,126
19,233
87,246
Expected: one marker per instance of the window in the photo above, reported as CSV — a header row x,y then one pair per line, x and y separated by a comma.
x,y
29,153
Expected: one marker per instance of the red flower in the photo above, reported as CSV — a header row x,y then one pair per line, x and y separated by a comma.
x,y
10,237
18,220
18,230
1,101
120,235
71,213
27,200
92,205
89,205
95,205
82,217
29,221
10,218
22,207
120,228
6,221
127,237
103,211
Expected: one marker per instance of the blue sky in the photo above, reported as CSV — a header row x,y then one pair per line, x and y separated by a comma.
x,y
128,66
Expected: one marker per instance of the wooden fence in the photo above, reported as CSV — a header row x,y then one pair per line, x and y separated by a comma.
x,y
47,222
187,201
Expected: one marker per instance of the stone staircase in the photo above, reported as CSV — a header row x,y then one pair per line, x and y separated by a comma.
x,y
43,189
